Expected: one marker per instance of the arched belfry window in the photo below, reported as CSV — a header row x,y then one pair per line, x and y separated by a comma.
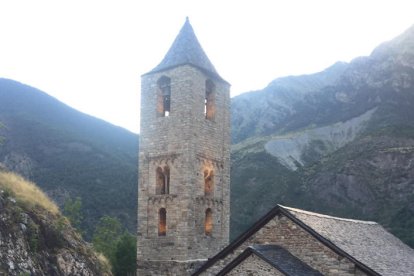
x,y
162,222
208,222
164,96
162,180
209,100
208,182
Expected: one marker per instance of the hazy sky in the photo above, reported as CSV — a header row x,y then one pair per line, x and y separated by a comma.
x,y
90,54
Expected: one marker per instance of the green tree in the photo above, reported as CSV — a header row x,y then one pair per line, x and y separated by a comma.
x,y
73,211
125,255
106,236
117,245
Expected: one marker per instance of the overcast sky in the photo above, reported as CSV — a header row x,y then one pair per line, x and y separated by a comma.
x,y
90,54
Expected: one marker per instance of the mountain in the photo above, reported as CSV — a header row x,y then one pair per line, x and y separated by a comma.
x,y
339,142
70,154
35,239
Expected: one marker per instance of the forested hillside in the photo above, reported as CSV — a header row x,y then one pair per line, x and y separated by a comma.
x,y
70,154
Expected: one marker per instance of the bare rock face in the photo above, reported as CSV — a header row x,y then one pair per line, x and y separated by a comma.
x,y
36,242
19,163
291,149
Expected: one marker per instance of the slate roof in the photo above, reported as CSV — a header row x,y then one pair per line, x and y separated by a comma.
x,y
276,256
367,244
186,50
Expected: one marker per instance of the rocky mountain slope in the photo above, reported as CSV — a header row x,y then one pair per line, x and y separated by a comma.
x,y
35,239
342,145
70,154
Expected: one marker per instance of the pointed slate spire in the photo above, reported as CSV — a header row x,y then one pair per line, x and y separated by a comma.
x,y
186,50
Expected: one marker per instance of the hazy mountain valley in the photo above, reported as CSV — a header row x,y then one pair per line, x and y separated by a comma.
x,y
339,142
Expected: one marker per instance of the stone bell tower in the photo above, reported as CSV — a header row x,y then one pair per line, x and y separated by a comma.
x,y
184,161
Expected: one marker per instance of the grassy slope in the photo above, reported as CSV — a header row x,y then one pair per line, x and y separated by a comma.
x,y
26,192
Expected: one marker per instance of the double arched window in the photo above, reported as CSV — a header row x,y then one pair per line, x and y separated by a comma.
x,y
162,181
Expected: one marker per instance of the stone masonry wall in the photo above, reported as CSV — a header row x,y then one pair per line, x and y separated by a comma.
x,y
253,265
282,231
166,268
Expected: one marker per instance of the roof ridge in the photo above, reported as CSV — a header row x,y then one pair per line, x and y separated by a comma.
x,y
326,216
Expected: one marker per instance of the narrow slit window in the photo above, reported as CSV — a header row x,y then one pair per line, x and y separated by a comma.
x,y
208,222
209,101
162,222
164,97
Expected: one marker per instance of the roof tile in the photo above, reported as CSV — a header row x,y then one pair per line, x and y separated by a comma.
x,y
368,242
283,260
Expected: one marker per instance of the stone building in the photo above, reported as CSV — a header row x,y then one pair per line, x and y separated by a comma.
x,y
288,241
183,192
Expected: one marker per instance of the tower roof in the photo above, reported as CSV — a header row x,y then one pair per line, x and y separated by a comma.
x,y
186,50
